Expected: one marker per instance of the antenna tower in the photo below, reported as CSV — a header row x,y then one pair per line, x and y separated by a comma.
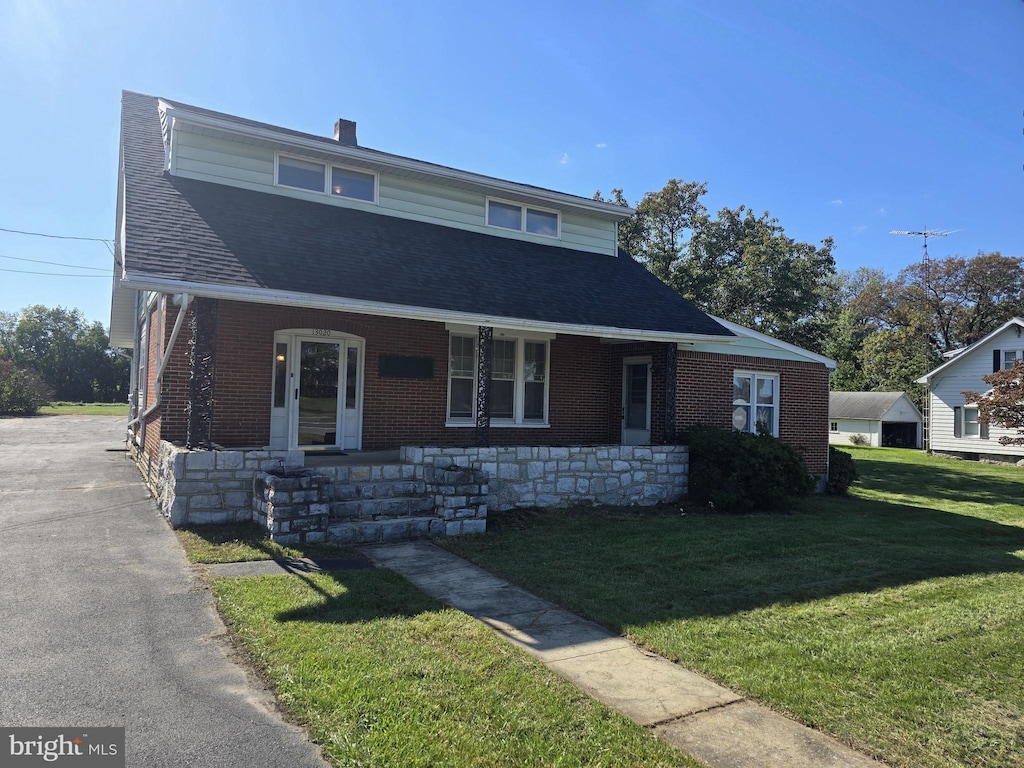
x,y
925,233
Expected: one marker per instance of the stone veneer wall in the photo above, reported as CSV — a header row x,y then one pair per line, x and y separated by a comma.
x,y
198,487
541,476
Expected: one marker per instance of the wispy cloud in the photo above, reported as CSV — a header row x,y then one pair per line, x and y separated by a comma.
x,y
881,211
859,229
836,203
601,145
565,159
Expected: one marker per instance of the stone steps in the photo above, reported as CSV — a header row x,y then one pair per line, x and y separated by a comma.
x,y
385,530
387,506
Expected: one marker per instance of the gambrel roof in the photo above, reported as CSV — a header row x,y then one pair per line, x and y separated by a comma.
x,y
212,239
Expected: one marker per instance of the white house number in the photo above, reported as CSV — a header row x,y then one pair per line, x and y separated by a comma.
x,y
321,332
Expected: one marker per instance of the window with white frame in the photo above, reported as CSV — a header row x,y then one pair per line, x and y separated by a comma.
x,y
523,218
1010,356
833,426
519,381
314,176
967,423
755,402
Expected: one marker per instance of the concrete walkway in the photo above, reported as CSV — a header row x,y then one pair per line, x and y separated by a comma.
x,y
103,621
693,714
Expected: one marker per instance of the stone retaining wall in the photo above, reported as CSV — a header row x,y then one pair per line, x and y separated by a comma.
x,y
540,476
198,487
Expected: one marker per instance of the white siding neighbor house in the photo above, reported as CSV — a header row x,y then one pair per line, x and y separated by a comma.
x,y
887,419
952,421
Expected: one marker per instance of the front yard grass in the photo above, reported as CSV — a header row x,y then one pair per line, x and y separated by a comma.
x,y
84,409
384,675
243,542
893,618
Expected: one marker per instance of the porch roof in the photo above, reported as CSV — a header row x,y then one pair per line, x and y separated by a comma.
x,y
223,240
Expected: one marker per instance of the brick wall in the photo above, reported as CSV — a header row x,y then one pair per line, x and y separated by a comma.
x,y
395,411
704,396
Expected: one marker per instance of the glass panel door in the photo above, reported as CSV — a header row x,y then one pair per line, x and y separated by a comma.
x,y
318,393
636,403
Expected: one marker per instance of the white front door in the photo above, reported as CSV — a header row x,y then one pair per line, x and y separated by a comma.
x,y
636,401
317,393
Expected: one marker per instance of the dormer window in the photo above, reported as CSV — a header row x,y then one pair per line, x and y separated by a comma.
x,y
522,218
312,176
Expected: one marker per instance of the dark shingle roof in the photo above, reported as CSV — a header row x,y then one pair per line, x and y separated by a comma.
x,y
861,405
184,229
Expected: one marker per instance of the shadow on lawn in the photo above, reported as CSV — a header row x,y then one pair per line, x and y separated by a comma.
x,y
631,569
349,597
959,481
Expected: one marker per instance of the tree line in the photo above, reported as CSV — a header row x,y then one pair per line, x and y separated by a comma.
x,y
55,354
884,332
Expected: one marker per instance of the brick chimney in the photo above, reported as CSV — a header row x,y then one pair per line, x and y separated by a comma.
x,y
345,132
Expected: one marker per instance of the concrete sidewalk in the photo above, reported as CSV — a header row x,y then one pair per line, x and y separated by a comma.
x,y
693,714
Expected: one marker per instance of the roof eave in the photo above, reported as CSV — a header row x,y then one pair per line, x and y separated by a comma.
x,y
140,281
343,151
926,379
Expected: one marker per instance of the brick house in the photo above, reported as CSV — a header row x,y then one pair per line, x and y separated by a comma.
x,y
289,292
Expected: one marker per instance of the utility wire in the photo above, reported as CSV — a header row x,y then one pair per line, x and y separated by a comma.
x,y
108,243
55,263
49,274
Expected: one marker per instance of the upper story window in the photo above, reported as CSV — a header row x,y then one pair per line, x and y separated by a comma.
x,y
1010,356
755,402
523,218
313,176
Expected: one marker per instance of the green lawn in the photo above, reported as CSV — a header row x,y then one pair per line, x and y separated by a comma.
x,y
893,618
85,409
242,542
383,675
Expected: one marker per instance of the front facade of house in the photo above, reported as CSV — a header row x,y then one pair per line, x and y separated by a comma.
x,y
298,293
882,419
953,426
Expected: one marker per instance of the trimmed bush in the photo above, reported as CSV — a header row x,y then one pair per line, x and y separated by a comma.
x,y
22,392
737,472
842,470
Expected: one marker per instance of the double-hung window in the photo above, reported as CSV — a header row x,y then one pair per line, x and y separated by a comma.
x,y
966,424
524,218
1010,356
519,381
326,179
755,402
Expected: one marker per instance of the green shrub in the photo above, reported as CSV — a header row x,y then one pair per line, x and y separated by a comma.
x,y
739,472
22,392
842,470
858,439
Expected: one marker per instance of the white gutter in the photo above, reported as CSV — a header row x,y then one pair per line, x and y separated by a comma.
x,y
185,300
346,151
359,306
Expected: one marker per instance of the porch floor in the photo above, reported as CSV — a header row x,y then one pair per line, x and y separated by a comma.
x,y
352,458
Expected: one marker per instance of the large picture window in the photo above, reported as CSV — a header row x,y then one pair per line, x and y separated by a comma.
x,y
755,402
519,381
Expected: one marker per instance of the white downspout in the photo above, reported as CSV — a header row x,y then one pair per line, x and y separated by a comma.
x,y
185,301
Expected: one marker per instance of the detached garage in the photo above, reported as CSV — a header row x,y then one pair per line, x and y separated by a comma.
x,y
888,419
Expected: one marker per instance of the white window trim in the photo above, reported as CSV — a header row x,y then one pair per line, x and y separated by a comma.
x,y
519,395
1017,355
326,190
983,429
522,217
833,427
776,407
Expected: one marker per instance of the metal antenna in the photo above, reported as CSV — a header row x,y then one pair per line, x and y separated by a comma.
x,y
925,233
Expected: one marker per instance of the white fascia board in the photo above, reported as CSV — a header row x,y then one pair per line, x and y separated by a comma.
x,y
359,306
926,379
742,330
344,151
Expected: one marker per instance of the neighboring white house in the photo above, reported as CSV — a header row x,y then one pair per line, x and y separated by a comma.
x,y
884,418
953,426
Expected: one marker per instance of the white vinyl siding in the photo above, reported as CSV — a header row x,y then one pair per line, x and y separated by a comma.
x,y
965,374
249,166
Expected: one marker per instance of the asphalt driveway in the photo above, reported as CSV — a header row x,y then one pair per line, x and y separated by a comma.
x,y
102,623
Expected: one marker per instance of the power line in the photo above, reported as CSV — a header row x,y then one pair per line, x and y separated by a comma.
x,y
48,274
55,263
108,243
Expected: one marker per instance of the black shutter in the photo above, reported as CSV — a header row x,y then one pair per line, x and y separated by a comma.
x,y
997,360
958,421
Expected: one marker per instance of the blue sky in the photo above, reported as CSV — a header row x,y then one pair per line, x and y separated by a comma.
x,y
843,119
